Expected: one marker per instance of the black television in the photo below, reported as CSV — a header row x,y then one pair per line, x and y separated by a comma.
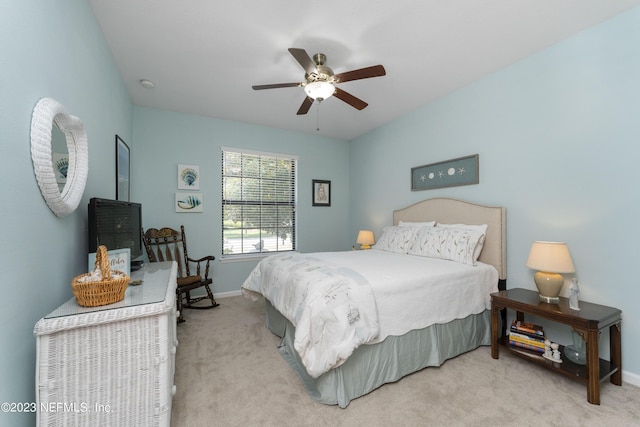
x,y
116,225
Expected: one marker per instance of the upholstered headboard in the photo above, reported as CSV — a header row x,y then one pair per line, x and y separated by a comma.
x,y
451,211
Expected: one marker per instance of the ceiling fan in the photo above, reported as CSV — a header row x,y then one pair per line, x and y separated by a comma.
x,y
319,80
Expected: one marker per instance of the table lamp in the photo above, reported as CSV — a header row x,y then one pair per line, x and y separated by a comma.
x,y
365,239
550,259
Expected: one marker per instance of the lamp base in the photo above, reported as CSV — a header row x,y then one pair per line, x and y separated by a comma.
x,y
550,300
365,246
549,286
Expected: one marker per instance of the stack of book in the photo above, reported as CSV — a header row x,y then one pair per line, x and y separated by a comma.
x,y
527,335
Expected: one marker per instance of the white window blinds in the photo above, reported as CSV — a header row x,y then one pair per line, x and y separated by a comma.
x,y
258,202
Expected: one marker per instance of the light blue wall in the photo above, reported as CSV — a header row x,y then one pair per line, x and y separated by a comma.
x,y
165,139
558,136
47,49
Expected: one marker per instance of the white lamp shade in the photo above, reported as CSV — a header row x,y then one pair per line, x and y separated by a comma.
x,y
365,237
319,90
552,257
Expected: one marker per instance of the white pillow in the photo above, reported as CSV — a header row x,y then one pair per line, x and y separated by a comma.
x,y
416,224
396,239
481,228
447,243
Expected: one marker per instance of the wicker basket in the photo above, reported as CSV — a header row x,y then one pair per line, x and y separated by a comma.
x,y
106,291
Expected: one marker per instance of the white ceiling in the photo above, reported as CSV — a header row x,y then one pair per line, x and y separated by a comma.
x,y
204,55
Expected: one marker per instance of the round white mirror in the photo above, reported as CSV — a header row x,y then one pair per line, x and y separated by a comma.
x,y
46,113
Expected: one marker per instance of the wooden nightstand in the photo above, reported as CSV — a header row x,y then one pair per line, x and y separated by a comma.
x,y
588,321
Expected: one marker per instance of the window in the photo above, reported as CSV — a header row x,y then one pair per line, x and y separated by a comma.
x,y
258,202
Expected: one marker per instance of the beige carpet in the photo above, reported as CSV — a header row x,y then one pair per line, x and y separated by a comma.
x,y
229,373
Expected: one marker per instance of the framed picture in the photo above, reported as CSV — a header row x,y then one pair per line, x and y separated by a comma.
x,y
189,202
188,177
123,170
119,259
449,173
321,192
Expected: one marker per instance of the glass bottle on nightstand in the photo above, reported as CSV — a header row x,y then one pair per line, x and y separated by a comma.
x,y
576,352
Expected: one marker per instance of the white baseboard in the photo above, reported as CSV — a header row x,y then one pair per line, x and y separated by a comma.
x,y
217,295
227,294
631,378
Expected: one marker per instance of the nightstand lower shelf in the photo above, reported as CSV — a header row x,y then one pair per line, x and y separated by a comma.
x,y
567,367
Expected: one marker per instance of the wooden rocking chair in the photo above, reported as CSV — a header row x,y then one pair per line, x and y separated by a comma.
x,y
167,244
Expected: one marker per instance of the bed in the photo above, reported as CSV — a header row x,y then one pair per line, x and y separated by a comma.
x,y
393,321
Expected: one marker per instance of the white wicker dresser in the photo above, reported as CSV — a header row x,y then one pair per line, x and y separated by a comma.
x,y
111,365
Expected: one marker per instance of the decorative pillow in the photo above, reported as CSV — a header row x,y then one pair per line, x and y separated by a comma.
x,y
447,243
481,228
396,239
416,224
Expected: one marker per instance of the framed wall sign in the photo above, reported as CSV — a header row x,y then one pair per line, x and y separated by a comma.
x,y
123,170
321,192
119,259
449,173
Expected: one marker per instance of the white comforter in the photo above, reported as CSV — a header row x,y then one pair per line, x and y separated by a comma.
x,y
411,292
333,308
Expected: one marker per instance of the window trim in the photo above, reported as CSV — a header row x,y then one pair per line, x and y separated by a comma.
x,y
238,257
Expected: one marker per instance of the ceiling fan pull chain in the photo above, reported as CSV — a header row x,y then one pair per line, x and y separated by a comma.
x,y
318,116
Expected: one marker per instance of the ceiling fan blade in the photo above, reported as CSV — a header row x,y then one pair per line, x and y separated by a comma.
x,y
362,73
306,104
304,59
350,99
275,86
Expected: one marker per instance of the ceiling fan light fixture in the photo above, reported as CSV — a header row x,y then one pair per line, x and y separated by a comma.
x,y
320,81
319,91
